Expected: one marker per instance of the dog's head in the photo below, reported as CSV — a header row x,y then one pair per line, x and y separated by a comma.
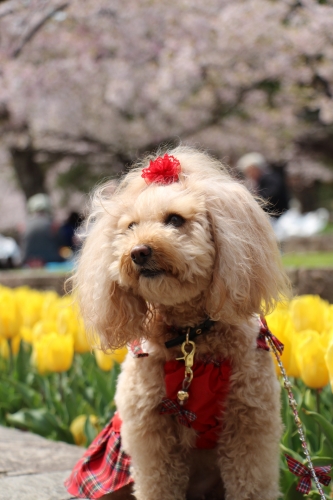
x,y
167,241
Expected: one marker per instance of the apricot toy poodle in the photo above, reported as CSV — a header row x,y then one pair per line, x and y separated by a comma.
x,y
180,263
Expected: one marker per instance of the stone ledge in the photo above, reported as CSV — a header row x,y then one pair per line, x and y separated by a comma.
x,y
34,468
304,281
46,486
312,281
39,279
315,243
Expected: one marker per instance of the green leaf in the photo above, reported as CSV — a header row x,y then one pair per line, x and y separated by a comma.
x,y
88,394
23,361
321,460
103,387
309,400
90,431
291,452
292,493
286,479
288,422
325,425
325,449
40,421
30,397
33,420
314,495
71,406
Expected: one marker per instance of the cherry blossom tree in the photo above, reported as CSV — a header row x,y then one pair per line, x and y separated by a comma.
x,y
88,85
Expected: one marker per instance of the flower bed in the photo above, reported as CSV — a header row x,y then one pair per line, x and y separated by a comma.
x,y
53,383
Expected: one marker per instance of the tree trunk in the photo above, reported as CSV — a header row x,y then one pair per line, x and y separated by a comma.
x,y
30,175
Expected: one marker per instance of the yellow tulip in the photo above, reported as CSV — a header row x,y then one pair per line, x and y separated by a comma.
x,y
30,305
69,322
4,348
329,319
66,320
293,367
329,362
16,341
81,342
119,355
280,325
326,338
282,306
9,314
50,305
311,360
309,312
26,334
77,428
53,353
41,328
104,360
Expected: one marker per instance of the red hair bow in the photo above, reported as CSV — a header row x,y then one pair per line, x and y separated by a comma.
x,y
163,170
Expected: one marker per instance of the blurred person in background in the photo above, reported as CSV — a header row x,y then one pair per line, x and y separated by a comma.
x,y
41,241
10,253
265,182
68,231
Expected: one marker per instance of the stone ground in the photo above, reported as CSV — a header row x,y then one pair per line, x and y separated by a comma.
x,y
34,468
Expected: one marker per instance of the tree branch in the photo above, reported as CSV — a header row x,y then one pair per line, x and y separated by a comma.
x,y
34,29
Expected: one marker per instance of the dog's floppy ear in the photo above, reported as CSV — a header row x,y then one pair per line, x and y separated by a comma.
x,y
111,312
248,276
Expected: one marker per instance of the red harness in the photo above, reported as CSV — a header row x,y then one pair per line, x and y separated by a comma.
x,y
207,395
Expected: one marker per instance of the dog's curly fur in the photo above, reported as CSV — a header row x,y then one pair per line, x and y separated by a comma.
x,y
222,262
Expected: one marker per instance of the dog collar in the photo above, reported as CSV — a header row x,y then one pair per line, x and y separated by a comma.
x,y
190,333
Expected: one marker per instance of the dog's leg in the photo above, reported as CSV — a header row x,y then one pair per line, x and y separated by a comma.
x,y
125,493
157,444
159,467
249,443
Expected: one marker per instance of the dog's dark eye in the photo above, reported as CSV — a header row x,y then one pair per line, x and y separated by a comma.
x,y
174,220
131,225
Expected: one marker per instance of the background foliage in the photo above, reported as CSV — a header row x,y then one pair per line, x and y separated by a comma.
x,y
88,86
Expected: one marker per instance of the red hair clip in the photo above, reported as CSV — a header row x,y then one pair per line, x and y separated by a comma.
x,y
163,170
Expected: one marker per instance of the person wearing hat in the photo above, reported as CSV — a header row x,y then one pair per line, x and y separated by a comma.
x,y
41,241
265,182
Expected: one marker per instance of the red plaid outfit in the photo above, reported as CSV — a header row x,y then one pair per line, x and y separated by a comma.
x,y
104,467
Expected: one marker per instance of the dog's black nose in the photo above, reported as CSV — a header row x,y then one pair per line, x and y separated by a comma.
x,y
140,254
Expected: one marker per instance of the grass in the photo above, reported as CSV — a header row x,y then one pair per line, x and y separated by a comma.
x,y
328,229
308,260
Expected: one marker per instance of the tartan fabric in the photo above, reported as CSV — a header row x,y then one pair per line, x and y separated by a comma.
x,y
300,470
261,342
264,333
169,407
104,467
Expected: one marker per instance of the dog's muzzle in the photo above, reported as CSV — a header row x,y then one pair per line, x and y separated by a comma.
x,y
140,254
